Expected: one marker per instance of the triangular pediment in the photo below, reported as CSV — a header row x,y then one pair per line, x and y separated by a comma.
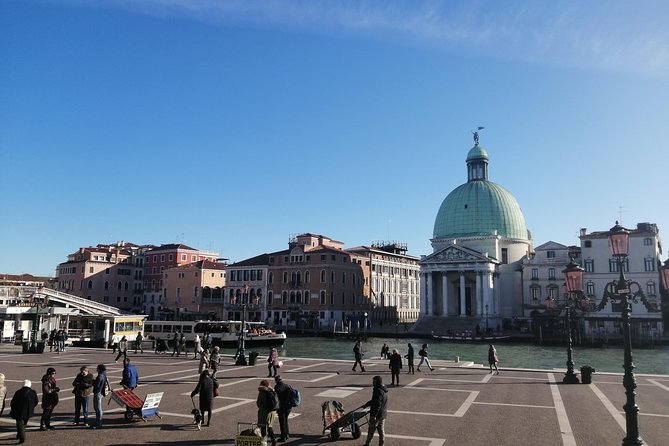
x,y
457,254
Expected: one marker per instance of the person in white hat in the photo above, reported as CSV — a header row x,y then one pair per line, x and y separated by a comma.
x,y
23,406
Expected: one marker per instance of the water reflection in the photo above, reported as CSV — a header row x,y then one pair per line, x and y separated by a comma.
x,y
653,361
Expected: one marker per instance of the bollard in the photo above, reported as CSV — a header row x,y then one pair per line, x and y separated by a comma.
x,y
457,359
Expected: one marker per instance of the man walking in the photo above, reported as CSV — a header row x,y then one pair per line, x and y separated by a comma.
x,y
22,408
357,351
285,394
378,411
130,378
138,342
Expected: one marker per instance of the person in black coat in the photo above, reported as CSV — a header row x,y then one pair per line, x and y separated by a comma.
x,y
378,411
49,398
284,392
205,387
395,365
409,357
22,408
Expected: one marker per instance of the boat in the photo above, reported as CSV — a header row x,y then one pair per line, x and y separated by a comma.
x,y
468,337
221,333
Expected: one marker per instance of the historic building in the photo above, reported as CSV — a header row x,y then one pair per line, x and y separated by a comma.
x,y
395,282
194,290
479,241
106,273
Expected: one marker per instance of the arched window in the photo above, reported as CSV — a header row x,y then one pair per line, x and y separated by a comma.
x,y
106,285
270,277
284,297
118,286
285,277
298,297
292,297
126,285
90,284
306,297
322,276
307,277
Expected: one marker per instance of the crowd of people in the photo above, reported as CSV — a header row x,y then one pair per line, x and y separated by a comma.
x,y
273,401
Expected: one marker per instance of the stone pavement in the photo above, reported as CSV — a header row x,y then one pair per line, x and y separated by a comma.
x,y
457,403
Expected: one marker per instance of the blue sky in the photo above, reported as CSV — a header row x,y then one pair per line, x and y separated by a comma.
x,y
230,125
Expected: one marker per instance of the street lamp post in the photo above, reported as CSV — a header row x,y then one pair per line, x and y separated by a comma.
x,y
241,356
35,302
626,291
574,286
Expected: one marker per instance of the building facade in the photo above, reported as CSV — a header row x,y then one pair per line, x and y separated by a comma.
x,y
479,241
194,290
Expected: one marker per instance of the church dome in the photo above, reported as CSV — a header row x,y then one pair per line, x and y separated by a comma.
x,y
479,207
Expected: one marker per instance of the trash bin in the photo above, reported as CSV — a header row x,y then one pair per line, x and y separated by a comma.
x,y
252,358
586,374
25,347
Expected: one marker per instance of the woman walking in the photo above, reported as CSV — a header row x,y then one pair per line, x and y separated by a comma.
x,y
205,387
204,360
214,360
273,360
423,358
49,398
493,359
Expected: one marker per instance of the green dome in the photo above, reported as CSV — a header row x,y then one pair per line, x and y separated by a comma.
x,y
477,152
480,208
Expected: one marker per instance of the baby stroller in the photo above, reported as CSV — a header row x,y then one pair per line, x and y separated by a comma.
x,y
161,346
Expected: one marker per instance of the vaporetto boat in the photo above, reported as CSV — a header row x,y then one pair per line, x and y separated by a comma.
x,y
221,333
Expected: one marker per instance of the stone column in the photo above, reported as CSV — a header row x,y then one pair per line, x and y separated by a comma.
x,y
463,303
429,294
444,292
479,294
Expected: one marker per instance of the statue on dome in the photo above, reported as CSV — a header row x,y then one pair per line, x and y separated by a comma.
x,y
476,135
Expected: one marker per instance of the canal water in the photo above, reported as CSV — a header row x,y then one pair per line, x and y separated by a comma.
x,y
610,359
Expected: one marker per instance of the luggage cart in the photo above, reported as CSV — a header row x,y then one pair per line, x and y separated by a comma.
x,y
134,406
248,434
337,421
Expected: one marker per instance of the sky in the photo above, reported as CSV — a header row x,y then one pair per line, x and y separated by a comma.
x,y
230,126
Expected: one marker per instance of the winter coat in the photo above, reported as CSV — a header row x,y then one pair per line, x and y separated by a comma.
x,y
49,392
205,387
100,382
284,392
379,403
395,362
263,401
83,385
130,376
3,392
23,404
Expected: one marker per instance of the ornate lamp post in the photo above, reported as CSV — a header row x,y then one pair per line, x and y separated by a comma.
x,y
241,356
575,299
37,303
626,291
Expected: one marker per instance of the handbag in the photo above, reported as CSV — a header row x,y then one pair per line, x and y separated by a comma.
x,y
278,364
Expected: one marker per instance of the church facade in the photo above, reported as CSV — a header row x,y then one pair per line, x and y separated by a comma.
x,y
473,276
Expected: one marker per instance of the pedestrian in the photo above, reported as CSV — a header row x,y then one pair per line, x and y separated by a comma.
x,y
384,351
205,388
204,361
395,365
138,342
176,343
60,340
3,393
409,357
52,339
122,348
23,406
268,403
182,345
423,358
285,394
493,359
273,360
378,411
100,388
357,351
198,347
214,360
130,377
49,398
83,388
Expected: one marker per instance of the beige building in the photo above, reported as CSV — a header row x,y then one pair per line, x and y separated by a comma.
x,y
195,290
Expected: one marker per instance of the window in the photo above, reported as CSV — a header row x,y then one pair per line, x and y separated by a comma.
x,y
650,288
589,266
162,257
91,270
106,285
270,278
90,284
587,244
307,277
285,277
613,266
551,273
550,254
183,257
552,292
171,257
505,256
649,264
535,292
322,276
590,289
648,242
535,273
343,277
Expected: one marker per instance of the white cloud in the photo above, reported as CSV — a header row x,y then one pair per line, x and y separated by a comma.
x,y
621,36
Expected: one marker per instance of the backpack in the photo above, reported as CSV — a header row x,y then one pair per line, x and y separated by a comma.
x,y
294,397
272,400
421,352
